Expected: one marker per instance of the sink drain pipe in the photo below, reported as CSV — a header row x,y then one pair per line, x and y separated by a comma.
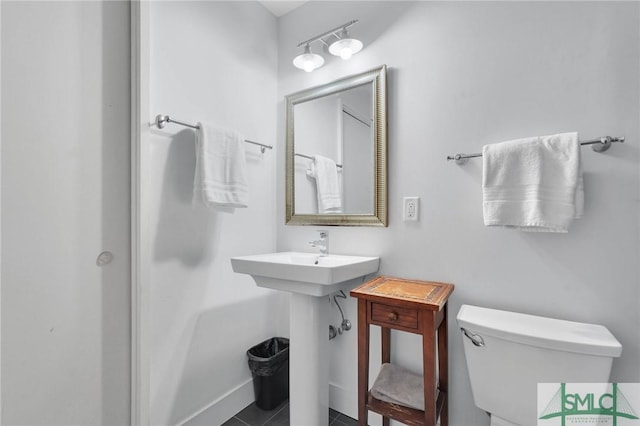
x,y
345,325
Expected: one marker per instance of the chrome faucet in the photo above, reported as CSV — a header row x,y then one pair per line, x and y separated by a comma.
x,y
322,243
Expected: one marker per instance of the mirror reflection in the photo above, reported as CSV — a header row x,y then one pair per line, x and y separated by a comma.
x,y
336,152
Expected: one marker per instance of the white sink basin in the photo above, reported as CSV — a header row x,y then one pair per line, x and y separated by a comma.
x,y
304,273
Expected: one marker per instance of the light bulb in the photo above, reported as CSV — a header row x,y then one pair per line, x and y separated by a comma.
x,y
308,61
346,53
345,47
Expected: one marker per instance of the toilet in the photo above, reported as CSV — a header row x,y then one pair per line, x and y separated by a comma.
x,y
509,353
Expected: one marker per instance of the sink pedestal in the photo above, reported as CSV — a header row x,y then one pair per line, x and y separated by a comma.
x,y
309,363
310,279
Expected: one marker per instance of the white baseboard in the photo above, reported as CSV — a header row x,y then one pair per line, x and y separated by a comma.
x,y
343,400
346,402
223,408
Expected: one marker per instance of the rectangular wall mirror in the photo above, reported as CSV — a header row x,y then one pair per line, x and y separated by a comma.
x,y
343,122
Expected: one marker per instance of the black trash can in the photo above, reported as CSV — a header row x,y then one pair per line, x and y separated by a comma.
x,y
269,365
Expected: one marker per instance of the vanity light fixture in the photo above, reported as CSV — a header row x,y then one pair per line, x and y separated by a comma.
x,y
343,46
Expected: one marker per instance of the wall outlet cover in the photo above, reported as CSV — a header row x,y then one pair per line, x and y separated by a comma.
x,y
411,209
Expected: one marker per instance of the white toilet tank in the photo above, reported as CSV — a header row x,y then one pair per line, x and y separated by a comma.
x,y
514,352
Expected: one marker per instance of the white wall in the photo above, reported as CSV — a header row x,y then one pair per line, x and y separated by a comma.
x,y
213,62
462,75
65,199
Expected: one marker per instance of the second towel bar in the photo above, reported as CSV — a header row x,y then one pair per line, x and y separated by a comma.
x,y
599,145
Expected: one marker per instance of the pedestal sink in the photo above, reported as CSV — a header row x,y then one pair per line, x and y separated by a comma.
x,y
308,277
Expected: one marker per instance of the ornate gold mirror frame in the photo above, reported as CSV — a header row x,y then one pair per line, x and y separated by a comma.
x,y
377,79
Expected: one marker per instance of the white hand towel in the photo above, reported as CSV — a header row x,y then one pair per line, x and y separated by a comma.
x,y
399,386
220,176
325,172
533,184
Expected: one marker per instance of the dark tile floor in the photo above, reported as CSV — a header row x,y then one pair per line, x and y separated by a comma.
x,y
279,416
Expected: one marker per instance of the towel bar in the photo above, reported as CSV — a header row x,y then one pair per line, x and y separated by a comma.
x,y
162,120
311,158
599,145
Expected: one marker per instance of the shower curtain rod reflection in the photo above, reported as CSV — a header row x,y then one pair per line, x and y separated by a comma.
x,y
162,120
311,158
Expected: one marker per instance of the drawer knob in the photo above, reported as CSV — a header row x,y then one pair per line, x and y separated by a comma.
x,y
392,316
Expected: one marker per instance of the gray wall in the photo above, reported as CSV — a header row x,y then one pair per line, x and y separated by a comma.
x,y
65,198
214,62
466,74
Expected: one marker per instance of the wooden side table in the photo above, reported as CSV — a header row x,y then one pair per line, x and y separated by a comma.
x,y
416,307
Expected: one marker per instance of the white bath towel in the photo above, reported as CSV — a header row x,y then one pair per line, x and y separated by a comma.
x,y
533,184
325,172
399,386
220,176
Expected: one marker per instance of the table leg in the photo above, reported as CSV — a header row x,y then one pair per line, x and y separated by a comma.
x,y
443,367
363,363
385,333
429,367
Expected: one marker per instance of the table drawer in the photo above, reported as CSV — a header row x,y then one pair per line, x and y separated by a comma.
x,y
394,316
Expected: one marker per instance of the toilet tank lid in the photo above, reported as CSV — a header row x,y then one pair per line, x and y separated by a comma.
x,y
538,331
